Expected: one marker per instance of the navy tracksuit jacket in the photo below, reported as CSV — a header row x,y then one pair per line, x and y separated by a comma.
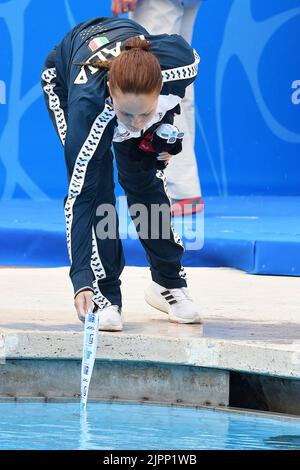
x,y
80,107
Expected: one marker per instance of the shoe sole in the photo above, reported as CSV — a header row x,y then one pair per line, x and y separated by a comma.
x,y
163,308
110,328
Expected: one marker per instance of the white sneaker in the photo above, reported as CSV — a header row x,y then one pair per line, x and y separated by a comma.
x,y
176,302
110,318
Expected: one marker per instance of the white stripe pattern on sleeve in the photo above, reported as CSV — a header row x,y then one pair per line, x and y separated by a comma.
x,y
49,76
182,73
99,273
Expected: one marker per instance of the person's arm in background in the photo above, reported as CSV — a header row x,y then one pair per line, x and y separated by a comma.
x,y
122,6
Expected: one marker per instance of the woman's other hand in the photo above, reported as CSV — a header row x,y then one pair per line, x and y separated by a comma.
x,y
122,6
165,157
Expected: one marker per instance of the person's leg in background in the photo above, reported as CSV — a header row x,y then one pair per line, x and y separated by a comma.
x,y
182,172
168,291
174,17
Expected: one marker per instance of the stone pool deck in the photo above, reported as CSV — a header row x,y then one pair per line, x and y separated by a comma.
x,y
250,324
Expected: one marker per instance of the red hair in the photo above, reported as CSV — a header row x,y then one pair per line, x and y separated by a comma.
x,y
136,70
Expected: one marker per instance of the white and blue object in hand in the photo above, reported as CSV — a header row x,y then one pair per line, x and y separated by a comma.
x,y
90,341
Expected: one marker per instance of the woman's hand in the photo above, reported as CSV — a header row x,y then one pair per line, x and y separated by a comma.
x,y
83,303
122,6
164,156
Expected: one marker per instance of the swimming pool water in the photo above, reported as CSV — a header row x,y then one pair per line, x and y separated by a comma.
x,y
120,426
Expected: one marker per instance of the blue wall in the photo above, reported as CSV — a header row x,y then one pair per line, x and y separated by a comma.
x,y
248,113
